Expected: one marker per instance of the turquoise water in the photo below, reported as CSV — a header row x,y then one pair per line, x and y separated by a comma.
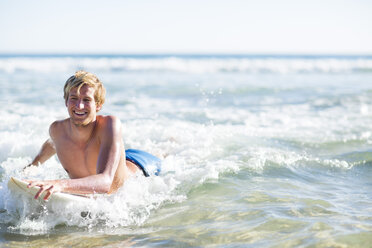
x,y
260,151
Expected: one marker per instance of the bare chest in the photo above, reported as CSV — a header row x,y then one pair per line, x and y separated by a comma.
x,y
78,161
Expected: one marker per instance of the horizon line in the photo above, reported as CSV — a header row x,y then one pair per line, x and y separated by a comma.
x,y
185,54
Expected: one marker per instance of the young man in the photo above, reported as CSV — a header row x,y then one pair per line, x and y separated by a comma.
x,y
89,146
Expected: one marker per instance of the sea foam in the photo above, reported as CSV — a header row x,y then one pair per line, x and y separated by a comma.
x,y
188,64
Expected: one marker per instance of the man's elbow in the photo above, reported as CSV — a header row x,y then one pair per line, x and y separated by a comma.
x,y
106,189
105,185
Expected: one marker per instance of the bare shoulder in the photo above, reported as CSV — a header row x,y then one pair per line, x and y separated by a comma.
x,y
57,128
109,122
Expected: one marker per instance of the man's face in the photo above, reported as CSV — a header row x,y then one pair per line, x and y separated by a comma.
x,y
81,106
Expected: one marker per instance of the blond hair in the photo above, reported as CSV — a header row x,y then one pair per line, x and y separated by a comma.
x,y
85,78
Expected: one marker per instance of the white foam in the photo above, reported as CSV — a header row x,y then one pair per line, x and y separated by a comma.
x,y
189,160
185,64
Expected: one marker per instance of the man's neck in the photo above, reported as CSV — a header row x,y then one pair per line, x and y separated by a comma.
x,y
81,134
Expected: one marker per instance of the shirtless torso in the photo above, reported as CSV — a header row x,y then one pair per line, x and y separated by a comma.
x,y
89,146
86,155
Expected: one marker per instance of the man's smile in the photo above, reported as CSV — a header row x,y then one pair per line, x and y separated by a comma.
x,y
79,113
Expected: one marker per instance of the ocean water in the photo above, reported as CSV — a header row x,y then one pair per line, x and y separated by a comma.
x,y
258,151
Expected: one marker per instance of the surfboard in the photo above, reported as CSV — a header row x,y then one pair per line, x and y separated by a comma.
x,y
19,187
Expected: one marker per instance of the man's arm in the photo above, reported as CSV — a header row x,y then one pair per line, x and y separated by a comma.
x,y
107,164
47,150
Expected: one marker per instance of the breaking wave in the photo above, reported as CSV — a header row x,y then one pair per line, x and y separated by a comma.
x,y
188,64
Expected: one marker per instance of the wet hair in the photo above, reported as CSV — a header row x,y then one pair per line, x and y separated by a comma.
x,y
81,78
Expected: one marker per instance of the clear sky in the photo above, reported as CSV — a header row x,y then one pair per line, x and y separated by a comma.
x,y
187,26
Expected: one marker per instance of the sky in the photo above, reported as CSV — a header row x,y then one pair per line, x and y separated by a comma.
x,y
186,26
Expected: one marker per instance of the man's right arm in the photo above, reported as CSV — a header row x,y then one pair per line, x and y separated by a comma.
x,y
47,150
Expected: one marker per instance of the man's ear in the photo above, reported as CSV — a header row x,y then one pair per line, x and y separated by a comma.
x,y
98,107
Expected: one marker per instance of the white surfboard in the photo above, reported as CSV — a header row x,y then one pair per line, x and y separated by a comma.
x,y
18,186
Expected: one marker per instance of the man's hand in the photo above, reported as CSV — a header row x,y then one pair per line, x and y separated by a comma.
x,y
49,187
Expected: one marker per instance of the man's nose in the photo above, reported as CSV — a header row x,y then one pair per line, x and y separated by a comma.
x,y
79,104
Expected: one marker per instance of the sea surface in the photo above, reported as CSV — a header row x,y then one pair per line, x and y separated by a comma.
x,y
258,151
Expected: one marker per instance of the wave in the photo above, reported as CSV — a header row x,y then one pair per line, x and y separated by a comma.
x,y
187,64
